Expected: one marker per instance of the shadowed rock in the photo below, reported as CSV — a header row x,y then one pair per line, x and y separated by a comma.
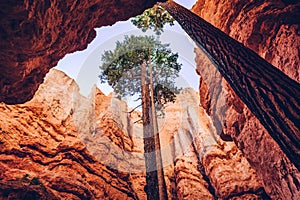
x,y
35,35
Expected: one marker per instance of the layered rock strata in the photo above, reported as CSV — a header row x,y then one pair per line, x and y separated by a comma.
x,y
40,140
66,146
205,167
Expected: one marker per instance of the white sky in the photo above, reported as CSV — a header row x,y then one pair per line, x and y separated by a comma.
x,y
83,66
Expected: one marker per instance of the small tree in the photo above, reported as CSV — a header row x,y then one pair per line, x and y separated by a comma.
x,y
153,18
143,65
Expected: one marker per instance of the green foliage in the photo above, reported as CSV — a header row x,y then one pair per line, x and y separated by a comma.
x,y
25,177
121,68
153,18
35,181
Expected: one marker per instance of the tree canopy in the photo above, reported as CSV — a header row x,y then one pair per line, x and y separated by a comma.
x,y
121,67
153,18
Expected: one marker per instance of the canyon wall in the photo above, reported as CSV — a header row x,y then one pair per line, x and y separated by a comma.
x,y
41,149
271,29
61,145
35,35
205,167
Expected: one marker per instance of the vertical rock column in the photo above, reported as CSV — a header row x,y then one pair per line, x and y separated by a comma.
x,y
204,167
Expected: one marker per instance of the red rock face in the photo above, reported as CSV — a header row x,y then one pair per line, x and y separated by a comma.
x,y
42,150
48,147
204,166
35,35
270,29
64,146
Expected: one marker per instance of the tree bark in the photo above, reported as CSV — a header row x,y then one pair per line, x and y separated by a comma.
x,y
151,188
271,95
159,163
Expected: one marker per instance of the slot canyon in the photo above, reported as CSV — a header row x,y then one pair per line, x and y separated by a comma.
x,y
57,144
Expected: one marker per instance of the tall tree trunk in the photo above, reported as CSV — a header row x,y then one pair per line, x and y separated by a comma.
x,y
271,95
160,173
151,189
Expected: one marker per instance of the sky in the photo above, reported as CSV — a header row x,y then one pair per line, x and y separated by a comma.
x,y
83,66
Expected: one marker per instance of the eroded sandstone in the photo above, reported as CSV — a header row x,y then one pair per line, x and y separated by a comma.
x,y
258,25
69,146
40,139
35,35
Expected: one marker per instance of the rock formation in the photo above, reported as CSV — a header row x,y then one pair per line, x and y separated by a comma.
x,y
66,146
205,167
270,29
61,145
35,35
39,141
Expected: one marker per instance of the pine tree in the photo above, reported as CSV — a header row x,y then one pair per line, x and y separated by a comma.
x,y
153,18
143,65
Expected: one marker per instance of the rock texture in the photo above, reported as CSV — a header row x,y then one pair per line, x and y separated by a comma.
x,y
205,167
270,29
40,141
35,35
61,145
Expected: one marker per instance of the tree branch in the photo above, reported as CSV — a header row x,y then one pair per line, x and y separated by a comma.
x,y
135,108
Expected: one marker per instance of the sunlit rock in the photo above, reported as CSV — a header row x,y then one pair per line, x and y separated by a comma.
x,y
91,147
